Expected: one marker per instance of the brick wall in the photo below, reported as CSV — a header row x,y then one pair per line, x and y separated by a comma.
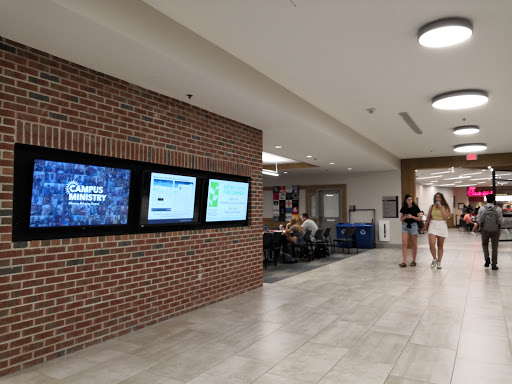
x,y
59,296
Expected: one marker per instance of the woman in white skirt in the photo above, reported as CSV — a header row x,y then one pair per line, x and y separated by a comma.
x,y
438,213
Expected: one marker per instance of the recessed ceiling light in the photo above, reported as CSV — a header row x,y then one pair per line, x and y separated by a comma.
x,y
445,32
278,146
331,163
466,130
349,169
474,147
269,172
468,98
309,156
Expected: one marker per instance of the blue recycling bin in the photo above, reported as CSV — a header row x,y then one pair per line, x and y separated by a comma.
x,y
340,231
365,235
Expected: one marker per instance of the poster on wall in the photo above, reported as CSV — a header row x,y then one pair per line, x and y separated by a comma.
x,y
286,202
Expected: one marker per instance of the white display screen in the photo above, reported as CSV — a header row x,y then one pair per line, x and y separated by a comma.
x,y
227,201
171,198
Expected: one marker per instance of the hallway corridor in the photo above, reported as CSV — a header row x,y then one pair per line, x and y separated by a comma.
x,y
359,320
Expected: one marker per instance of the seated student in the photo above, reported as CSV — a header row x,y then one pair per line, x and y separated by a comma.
x,y
471,224
307,223
293,233
473,220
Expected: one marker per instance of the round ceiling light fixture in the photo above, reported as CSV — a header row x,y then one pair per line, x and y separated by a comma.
x,y
466,130
468,98
473,147
445,32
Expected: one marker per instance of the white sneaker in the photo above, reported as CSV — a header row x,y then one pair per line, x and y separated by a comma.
x,y
434,263
439,265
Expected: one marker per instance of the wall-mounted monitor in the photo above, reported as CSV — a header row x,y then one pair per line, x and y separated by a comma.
x,y
61,194
78,195
227,201
169,199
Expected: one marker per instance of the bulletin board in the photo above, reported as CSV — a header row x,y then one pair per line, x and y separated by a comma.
x,y
390,206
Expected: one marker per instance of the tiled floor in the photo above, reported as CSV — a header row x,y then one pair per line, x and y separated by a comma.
x,y
359,320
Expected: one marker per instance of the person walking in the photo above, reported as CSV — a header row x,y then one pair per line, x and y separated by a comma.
x,y
438,213
490,219
410,217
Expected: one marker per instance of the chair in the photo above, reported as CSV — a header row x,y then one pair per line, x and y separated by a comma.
x,y
306,248
348,240
459,225
321,246
328,240
276,245
268,249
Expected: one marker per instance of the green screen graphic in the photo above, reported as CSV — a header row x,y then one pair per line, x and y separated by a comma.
x,y
213,195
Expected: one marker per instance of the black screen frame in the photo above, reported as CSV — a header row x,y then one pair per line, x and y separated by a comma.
x,y
24,158
146,190
226,223
25,155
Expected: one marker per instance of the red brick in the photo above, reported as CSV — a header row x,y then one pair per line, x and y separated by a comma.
x,y
111,294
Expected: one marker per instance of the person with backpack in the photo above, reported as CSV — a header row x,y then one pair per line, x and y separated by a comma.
x,y
490,219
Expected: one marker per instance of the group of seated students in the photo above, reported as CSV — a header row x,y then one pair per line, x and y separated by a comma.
x,y
294,232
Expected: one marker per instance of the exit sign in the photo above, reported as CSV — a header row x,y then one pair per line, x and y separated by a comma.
x,y
471,156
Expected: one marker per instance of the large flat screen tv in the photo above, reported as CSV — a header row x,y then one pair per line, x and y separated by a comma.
x,y
170,199
227,201
61,194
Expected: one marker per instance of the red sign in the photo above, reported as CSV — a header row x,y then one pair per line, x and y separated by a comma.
x,y
472,192
471,156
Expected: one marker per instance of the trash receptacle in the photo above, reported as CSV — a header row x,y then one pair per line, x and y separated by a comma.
x,y
365,235
340,231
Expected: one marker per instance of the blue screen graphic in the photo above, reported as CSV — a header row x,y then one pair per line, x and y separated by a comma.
x,y
69,194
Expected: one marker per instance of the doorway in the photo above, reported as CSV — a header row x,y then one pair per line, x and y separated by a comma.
x,y
329,209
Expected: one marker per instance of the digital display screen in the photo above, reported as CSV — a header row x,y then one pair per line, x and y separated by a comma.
x,y
70,194
171,198
227,201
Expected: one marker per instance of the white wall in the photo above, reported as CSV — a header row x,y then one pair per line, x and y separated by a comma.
x,y
268,202
364,190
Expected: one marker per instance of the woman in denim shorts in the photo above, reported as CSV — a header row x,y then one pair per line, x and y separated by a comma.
x,y
410,216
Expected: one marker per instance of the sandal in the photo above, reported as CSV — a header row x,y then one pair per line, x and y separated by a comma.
x,y
413,264
402,265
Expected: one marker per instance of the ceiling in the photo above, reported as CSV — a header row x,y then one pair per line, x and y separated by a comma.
x,y
304,72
